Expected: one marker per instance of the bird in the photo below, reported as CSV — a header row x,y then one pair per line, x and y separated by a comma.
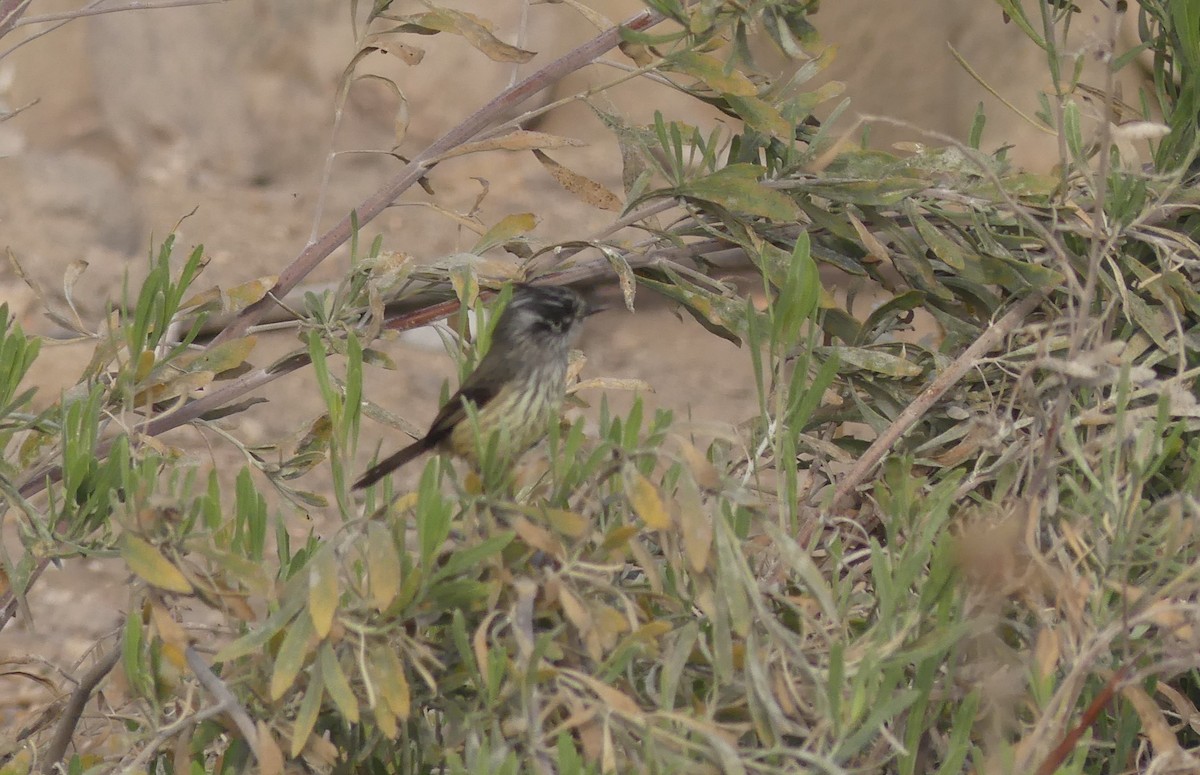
x,y
514,392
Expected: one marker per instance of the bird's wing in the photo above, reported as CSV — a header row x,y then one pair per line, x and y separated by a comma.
x,y
454,411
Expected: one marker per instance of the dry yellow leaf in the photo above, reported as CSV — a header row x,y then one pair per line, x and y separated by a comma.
x,y
583,187
646,502
323,591
270,757
148,563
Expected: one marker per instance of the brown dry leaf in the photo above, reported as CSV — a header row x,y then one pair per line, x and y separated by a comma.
x,y
479,643
591,738
520,140
1046,652
625,276
583,187
696,525
538,537
649,566
618,537
405,502
876,250
703,471
270,757
613,383
384,43
172,634
145,364
615,699
566,522
1154,724
235,602
180,386
610,625
476,31
646,502
1166,614
391,682
320,754
978,437
578,615
401,118
1182,704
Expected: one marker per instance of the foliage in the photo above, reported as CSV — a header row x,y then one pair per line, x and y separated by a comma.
x,y
1014,588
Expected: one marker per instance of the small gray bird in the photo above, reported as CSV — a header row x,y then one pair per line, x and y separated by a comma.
x,y
515,391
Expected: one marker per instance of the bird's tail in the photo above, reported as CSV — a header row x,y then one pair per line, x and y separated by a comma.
x,y
389,464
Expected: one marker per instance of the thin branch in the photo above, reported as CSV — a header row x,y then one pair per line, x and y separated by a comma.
x,y
47,31
943,382
318,251
225,699
11,600
138,763
74,710
97,11
10,14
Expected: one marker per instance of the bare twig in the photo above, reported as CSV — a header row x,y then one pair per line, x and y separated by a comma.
x,y
943,382
225,699
10,14
91,9
138,763
97,11
74,709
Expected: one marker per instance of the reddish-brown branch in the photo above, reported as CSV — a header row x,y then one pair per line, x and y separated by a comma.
x,y
1064,748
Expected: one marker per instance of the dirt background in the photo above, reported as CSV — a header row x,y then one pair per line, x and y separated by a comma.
x,y
226,110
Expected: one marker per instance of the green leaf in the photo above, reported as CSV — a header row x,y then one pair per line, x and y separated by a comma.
x,y
737,188
290,658
306,715
875,360
257,639
337,684
504,230
712,72
762,116
466,558
943,247
723,316
884,192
